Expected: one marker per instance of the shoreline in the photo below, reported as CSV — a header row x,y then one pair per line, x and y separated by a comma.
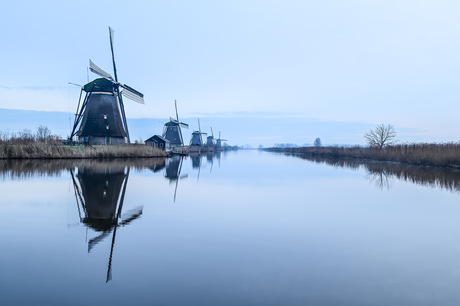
x,y
436,155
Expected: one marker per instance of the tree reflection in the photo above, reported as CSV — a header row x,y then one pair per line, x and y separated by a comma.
x,y
381,173
381,179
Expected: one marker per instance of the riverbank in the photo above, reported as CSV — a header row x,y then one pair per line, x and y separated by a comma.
x,y
440,155
41,150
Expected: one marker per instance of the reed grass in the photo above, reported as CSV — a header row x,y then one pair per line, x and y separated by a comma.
x,y
441,155
42,150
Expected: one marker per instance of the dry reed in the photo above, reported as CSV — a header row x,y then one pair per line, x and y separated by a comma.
x,y
442,155
41,150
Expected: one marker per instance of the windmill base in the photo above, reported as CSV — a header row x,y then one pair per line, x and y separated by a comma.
x,y
97,140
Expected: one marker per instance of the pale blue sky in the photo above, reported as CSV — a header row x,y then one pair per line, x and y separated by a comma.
x,y
360,62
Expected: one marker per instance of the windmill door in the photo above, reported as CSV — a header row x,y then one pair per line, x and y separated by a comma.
x,y
107,141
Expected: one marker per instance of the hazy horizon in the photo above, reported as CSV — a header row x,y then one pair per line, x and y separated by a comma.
x,y
239,129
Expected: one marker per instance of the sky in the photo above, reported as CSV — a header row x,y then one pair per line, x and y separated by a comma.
x,y
324,64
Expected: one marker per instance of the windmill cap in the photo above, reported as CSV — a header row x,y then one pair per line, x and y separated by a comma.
x,y
100,84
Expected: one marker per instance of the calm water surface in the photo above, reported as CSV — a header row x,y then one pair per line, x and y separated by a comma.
x,y
239,228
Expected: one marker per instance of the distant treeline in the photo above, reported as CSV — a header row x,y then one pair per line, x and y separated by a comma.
x,y
442,155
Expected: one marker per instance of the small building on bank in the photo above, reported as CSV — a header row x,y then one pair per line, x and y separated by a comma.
x,y
159,142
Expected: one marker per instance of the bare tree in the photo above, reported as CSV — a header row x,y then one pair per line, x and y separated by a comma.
x,y
381,136
43,133
317,142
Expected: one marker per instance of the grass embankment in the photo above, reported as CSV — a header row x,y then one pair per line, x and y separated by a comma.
x,y
39,150
441,155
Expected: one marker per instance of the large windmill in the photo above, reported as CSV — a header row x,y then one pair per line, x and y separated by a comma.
x,y
219,142
172,130
101,118
197,138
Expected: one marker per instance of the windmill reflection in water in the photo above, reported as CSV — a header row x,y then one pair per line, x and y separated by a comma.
x,y
173,172
100,192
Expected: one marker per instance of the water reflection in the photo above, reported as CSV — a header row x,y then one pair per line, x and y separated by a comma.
x,y
173,172
99,188
100,192
381,173
210,156
196,160
28,168
25,169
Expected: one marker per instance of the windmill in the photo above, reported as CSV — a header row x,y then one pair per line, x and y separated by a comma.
x,y
100,118
210,144
197,138
219,142
172,130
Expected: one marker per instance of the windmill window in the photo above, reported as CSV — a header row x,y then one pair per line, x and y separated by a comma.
x,y
105,116
107,126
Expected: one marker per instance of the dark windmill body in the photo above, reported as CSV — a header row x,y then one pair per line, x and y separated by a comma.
x,y
219,143
172,130
196,141
100,118
210,143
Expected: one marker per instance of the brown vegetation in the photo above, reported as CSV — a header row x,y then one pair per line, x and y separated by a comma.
x,y
45,150
442,155
44,145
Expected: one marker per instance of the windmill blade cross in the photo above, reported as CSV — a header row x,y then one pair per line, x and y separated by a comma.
x,y
99,71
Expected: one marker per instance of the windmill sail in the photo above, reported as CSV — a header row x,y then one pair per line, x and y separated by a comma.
x,y
99,71
111,34
132,94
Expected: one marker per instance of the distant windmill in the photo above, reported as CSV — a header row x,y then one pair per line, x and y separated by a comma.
x,y
219,142
172,130
210,144
197,138
101,118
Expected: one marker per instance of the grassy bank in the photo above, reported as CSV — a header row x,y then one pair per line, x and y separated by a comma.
x,y
441,155
42,150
